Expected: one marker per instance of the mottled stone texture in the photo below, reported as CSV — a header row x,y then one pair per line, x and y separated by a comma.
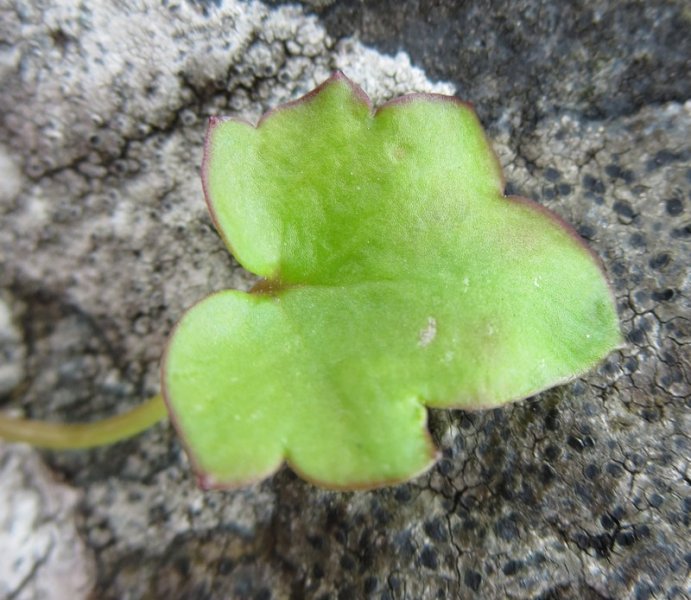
x,y
601,58
44,555
582,492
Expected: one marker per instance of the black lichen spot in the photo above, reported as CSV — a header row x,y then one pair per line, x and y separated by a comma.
x,y
586,231
468,421
672,375
592,471
624,209
674,207
607,522
506,487
631,364
318,572
382,516
316,541
686,505
205,5
549,193
578,388
637,240
61,39
656,500
403,494
347,593
616,172
472,579
552,420
506,528
638,460
511,189
618,268
662,158
618,513
659,261
263,594
370,584
404,546
663,295
428,558
590,409
626,537
224,566
547,473
593,184
643,591
445,467
552,174
682,232
636,336
564,189
552,452
512,567
368,552
613,170
436,530
601,543
347,562
242,588
575,443
157,514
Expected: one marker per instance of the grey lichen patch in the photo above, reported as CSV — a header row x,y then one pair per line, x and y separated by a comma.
x,y
10,177
630,441
12,351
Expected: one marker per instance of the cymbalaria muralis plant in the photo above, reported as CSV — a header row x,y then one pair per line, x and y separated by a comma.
x,y
396,276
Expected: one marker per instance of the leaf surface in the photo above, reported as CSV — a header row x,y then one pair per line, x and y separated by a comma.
x,y
398,276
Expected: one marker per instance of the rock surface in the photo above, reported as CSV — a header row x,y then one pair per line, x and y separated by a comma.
x,y
44,555
580,492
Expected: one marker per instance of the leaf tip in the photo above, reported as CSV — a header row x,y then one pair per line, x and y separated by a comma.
x,y
214,120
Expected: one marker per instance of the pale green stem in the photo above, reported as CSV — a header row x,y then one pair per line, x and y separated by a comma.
x,y
74,436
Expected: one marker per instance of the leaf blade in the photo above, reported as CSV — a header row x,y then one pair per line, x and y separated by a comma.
x,y
400,277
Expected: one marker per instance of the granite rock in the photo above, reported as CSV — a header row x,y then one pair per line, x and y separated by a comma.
x,y
43,553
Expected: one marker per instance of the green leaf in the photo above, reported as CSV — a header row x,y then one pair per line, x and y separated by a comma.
x,y
399,277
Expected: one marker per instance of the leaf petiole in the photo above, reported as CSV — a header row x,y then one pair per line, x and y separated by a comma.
x,y
75,436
